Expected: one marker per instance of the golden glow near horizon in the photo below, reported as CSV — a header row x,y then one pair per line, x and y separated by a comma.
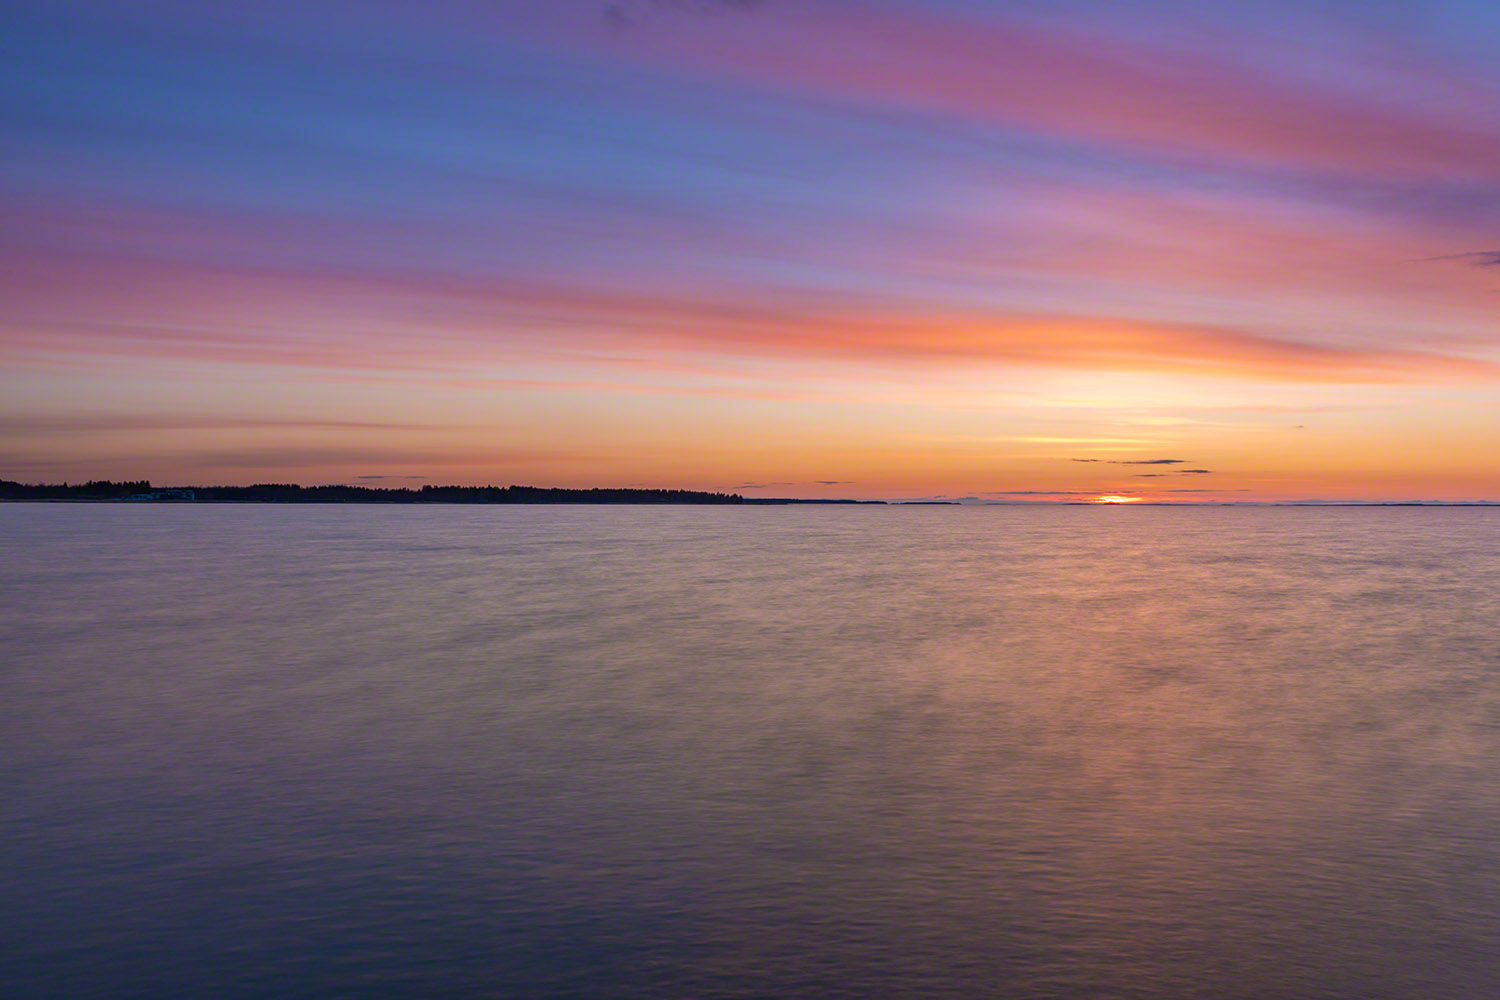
x,y
1115,498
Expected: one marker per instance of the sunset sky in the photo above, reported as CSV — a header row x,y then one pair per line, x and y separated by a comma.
x,y
822,248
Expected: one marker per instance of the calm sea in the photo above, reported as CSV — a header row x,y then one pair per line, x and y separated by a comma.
x,y
322,751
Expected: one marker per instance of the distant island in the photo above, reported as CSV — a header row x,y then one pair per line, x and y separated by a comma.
x,y
104,490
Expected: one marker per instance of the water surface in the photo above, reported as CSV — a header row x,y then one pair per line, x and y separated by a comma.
x,y
321,751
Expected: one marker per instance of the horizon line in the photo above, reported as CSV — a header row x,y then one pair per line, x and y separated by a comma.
x,y
1064,498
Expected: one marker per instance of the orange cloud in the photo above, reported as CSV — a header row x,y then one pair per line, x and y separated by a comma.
x,y
76,305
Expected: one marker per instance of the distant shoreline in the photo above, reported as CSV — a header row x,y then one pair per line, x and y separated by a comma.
x,y
141,491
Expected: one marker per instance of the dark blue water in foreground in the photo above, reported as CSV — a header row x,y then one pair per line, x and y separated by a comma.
x,y
257,751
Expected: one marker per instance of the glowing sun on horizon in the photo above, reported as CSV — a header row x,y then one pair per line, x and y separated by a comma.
x,y
1116,498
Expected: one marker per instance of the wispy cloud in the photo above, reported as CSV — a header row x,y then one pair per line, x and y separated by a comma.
x,y
622,15
1478,258
1088,82
135,422
77,307
300,457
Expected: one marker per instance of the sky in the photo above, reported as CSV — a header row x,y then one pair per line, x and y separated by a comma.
x,y
821,248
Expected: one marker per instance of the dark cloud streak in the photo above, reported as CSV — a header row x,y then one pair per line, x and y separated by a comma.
x,y
1475,258
623,15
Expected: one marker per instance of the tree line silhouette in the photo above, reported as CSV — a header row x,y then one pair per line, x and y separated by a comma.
x,y
104,489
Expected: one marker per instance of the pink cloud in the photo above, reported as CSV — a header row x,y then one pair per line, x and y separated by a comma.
x,y
1065,80
376,321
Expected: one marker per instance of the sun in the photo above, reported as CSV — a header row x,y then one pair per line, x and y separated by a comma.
x,y
1116,498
